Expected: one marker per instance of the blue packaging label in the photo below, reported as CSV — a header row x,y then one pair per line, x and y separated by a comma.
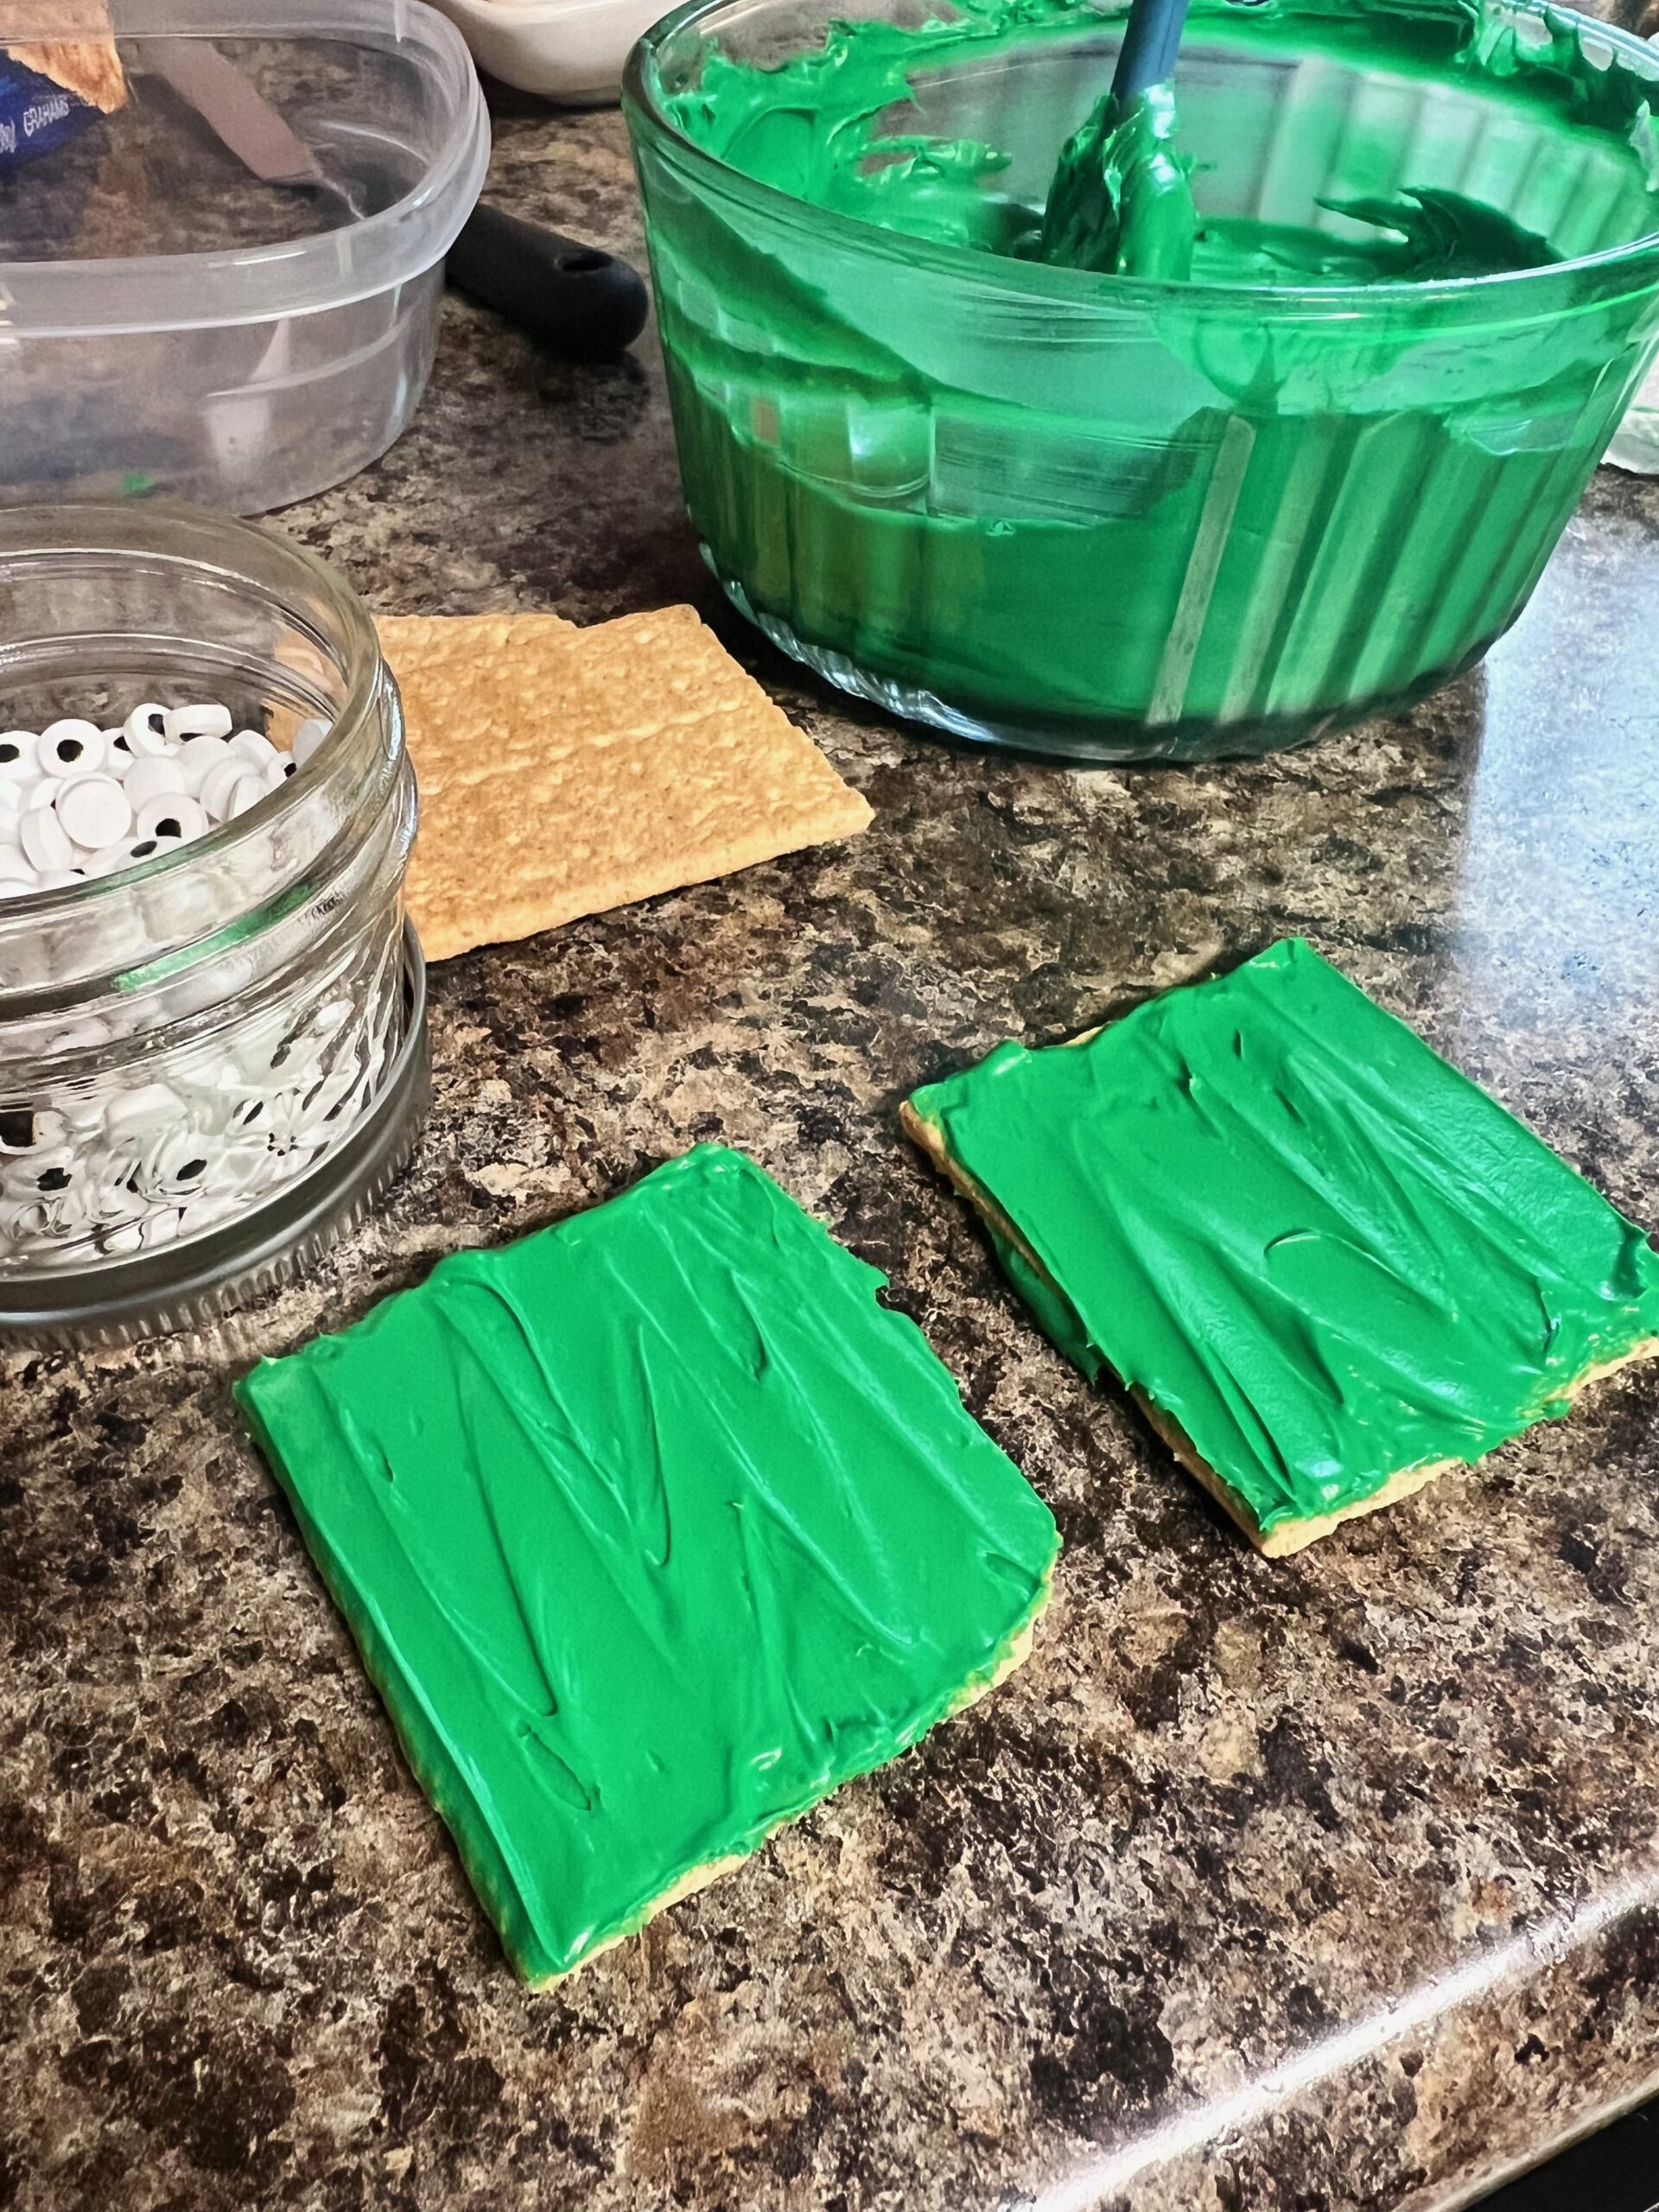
x,y
35,115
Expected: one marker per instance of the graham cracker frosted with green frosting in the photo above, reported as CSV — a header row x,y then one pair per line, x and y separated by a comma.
x,y
653,1529
1328,1264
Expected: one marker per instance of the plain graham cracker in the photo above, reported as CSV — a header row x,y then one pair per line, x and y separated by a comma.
x,y
564,771
81,58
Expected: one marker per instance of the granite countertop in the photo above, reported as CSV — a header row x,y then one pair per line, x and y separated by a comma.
x,y
1324,1886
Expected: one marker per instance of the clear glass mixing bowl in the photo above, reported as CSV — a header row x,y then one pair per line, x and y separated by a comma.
x,y
1112,519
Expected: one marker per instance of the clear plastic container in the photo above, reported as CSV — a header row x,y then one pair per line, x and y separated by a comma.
x,y
1109,519
206,1057
175,324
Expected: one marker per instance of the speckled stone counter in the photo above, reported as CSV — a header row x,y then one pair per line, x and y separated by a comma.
x,y
1328,1886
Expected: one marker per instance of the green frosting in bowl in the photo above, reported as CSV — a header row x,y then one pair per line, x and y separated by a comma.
x,y
1126,195
1195,430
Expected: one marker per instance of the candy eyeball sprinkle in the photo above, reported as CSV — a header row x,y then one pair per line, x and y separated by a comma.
x,y
176,815
73,744
76,797
179,1176
104,1160
146,730
210,719
17,1132
18,754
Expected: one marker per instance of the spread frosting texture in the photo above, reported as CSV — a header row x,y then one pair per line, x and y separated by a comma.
x,y
1127,194
1267,1205
653,1529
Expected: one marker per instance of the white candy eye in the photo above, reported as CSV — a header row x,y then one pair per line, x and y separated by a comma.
x,y
95,811
17,1129
176,814
72,747
52,1173
308,736
196,759
151,849
146,730
219,782
237,1165
44,842
180,1162
117,1174
143,1112
210,719
250,790
18,748
108,860
153,777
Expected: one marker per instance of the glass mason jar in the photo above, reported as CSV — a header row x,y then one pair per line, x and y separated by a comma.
x,y
213,1059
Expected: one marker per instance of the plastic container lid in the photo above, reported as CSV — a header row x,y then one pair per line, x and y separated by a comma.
x,y
146,219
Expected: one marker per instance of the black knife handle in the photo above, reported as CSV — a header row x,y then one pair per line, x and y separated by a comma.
x,y
583,303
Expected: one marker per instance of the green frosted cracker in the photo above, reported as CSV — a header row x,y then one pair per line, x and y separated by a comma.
x,y
1327,1264
652,1528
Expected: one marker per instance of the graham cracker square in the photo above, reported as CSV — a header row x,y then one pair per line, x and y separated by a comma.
x,y
1326,1264
653,1529
565,772
81,57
